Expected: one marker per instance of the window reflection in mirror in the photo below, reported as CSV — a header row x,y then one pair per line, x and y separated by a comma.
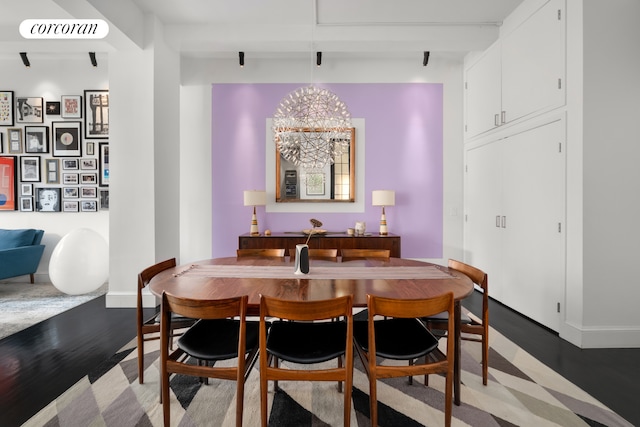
x,y
332,183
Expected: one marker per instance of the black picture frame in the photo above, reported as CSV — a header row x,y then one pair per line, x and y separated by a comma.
x,y
104,171
53,108
6,108
36,139
67,139
30,169
96,114
48,199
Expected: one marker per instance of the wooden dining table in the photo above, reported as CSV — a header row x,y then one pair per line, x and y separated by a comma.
x,y
396,278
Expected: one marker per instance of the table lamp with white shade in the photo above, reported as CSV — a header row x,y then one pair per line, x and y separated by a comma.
x,y
383,198
255,198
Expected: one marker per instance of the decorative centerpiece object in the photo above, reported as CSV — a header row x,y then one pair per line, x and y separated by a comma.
x,y
383,198
254,198
361,227
79,263
302,251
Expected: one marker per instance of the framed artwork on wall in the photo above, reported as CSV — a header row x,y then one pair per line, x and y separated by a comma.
x,y
70,206
53,171
88,179
29,110
89,205
104,164
8,189
70,178
53,108
30,168
26,189
6,108
96,114
70,164
26,204
90,148
66,139
71,106
89,164
14,140
36,139
48,199
104,199
70,192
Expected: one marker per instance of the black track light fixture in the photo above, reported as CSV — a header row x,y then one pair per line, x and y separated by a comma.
x,y
318,58
425,59
92,57
25,60
241,59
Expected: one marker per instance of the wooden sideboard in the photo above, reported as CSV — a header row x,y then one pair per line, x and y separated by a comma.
x,y
327,241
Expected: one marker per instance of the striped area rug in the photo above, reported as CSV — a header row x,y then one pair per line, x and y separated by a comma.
x,y
521,392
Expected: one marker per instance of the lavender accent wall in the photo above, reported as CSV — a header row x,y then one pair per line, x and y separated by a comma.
x,y
403,125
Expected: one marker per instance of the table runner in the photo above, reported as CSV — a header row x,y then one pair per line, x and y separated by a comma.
x,y
318,272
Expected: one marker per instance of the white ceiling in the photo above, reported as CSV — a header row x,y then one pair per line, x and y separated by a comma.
x,y
265,28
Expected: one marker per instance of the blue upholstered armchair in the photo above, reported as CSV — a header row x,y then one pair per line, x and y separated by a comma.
x,y
20,252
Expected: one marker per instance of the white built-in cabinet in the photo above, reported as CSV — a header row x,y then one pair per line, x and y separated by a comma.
x,y
520,75
515,167
515,214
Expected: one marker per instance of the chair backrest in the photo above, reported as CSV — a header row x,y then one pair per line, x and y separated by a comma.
x,y
205,308
145,276
325,254
410,308
306,310
266,253
352,254
478,277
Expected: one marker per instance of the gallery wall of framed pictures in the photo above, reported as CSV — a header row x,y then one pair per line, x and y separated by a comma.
x,y
54,153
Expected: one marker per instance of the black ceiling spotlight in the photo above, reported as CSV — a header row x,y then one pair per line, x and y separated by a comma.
x,y
241,58
318,58
425,60
92,56
25,60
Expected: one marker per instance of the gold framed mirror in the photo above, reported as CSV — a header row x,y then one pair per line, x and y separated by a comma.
x,y
334,183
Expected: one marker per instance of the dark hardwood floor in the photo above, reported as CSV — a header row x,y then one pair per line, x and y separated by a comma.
x,y
41,362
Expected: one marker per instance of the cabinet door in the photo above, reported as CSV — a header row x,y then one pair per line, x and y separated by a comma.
x,y
533,67
534,207
483,200
482,92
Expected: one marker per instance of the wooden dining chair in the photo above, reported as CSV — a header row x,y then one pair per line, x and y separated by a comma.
x,y
266,253
472,328
149,328
324,254
223,333
306,333
400,335
353,254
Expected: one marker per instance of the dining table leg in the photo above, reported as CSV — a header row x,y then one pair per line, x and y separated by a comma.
x,y
457,353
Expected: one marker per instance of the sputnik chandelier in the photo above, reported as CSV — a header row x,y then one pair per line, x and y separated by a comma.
x,y
311,127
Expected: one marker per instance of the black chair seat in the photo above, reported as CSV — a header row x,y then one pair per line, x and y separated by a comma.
x,y
217,339
397,338
443,317
307,342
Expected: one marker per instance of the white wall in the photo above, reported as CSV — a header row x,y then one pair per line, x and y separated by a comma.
x,y
51,76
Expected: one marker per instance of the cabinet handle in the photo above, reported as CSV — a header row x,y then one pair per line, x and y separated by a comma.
x,y
498,221
504,222
496,120
503,117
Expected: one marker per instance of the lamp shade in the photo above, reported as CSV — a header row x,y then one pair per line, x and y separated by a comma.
x,y
383,198
255,198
